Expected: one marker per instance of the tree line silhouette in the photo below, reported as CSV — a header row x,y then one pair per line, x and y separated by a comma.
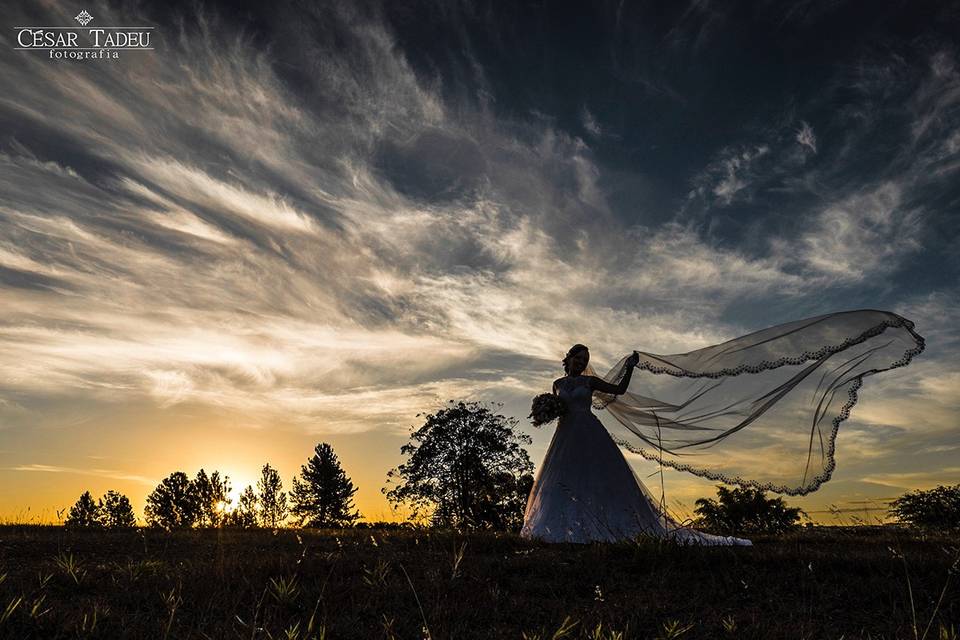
x,y
322,496
465,468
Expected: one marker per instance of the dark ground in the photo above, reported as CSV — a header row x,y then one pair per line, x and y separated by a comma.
x,y
820,583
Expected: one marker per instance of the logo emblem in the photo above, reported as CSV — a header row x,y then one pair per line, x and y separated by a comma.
x,y
83,17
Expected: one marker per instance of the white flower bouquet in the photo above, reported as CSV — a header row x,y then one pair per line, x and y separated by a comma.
x,y
546,407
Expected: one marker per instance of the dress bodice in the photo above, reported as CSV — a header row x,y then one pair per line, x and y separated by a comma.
x,y
576,393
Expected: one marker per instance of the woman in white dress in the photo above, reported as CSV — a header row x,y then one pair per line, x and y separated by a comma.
x,y
585,490
761,410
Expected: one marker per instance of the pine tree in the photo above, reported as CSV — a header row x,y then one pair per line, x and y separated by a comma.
x,y
202,490
85,512
272,500
212,498
173,503
220,498
245,515
323,495
117,512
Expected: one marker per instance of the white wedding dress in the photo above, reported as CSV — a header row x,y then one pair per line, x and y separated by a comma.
x,y
586,491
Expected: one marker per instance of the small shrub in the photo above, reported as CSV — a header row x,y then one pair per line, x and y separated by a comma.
x,y
745,511
937,508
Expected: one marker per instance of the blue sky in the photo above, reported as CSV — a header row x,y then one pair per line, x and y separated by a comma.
x,y
298,223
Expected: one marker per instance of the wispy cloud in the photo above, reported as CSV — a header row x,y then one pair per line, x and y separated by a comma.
x,y
865,233
590,123
104,473
806,137
913,479
730,174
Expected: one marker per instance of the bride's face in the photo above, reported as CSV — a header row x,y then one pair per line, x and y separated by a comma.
x,y
578,362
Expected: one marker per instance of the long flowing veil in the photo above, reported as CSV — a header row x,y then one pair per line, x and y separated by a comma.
x,y
761,410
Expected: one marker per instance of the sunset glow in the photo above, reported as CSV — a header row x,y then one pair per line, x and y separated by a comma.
x,y
216,257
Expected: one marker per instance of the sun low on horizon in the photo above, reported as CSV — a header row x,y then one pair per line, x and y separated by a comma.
x,y
280,225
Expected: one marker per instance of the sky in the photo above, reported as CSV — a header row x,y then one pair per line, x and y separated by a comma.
x,y
293,223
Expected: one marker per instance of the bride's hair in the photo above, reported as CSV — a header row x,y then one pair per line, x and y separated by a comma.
x,y
572,352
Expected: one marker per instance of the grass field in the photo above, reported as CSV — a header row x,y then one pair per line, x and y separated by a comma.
x,y
823,582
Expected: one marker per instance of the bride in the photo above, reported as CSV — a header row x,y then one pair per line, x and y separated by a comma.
x,y
762,410
585,490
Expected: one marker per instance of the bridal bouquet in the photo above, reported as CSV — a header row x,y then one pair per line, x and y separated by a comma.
x,y
546,407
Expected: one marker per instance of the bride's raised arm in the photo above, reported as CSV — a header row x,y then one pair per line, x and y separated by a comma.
x,y
599,384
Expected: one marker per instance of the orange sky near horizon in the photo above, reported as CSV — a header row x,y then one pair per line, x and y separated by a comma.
x,y
146,445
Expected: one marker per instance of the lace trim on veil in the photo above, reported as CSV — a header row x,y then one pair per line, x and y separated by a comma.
x,y
602,400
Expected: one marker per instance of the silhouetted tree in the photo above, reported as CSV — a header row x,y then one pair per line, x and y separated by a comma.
x,y
117,512
203,491
937,508
85,512
323,494
511,491
173,504
220,497
743,510
272,500
468,465
212,498
245,514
